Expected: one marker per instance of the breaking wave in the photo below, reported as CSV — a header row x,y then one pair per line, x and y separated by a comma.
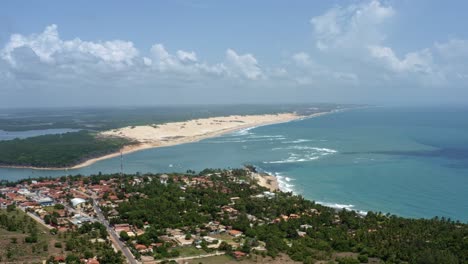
x,y
297,141
303,154
284,182
292,159
341,207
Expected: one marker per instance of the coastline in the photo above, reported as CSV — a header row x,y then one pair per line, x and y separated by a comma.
x,y
173,139
266,180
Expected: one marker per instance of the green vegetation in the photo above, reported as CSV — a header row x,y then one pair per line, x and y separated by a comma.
x,y
21,238
388,238
72,148
24,240
89,240
57,150
110,118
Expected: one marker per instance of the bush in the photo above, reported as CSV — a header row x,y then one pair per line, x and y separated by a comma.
x,y
30,239
347,260
58,245
363,258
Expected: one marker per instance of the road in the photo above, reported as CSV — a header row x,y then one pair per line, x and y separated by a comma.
x,y
114,237
36,218
217,253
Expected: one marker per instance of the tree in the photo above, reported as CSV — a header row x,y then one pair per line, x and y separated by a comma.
x,y
11,207
363,258
124,236
72,259
59,206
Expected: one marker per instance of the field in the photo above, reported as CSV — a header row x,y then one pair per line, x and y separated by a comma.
x,y
14,248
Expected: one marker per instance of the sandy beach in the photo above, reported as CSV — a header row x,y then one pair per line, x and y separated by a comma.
x,y
174,133
265,180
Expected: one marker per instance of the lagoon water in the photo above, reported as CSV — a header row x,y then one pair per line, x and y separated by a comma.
x,y
411,162
10,135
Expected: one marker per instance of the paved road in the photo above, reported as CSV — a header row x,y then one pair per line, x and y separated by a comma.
x,y
38,219
114,238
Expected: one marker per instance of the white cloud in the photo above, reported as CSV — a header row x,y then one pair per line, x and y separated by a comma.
x,y
51,49
351,26
454,49
301,58
186,56
244,65
420,61
162,58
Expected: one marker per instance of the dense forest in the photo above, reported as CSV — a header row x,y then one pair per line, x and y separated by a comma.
x,y
57,150
386,238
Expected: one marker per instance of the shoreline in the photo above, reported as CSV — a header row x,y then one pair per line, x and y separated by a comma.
x,y
143,145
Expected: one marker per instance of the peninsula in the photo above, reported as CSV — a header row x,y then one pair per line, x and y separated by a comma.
x,y
80,149
169,134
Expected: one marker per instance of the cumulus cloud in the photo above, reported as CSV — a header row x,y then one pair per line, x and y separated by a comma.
x,y
351,54
46,55
51,49
243,65
420,61
186,56
349,27
353,40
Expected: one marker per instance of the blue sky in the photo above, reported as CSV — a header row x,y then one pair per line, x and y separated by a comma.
x,y
57,53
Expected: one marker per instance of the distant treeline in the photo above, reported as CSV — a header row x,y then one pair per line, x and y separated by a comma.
x,y
57,150
109,118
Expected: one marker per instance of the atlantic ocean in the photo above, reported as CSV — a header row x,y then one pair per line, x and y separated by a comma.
x,y
411,162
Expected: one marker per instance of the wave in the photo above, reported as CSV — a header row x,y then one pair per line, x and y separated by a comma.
x,y
349,207
244,139
292,159
297,141
283,182
244,132
285,186
266,136
306,154
296,147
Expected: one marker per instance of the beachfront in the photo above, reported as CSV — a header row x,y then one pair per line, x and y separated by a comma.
x,y
174,133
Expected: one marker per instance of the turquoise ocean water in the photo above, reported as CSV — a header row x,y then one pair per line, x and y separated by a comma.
x,y
411,162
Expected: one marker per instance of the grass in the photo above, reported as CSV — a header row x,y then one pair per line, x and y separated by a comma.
x,y
13,248
224,237
190,251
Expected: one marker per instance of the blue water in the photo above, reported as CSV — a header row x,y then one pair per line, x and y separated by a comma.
x,y
409,162
10,135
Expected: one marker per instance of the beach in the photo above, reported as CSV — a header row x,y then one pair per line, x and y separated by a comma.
x,y
175,133
266,180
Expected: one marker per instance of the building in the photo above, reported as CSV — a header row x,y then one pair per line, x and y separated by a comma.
x,y
163,178
235,233
47,201
77,202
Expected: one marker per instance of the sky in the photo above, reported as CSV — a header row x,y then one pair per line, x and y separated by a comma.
x,y
106,53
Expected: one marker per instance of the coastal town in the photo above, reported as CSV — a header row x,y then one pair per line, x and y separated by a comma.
x,y
213,216
65,204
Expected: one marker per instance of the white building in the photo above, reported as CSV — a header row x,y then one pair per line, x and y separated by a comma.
x,y
77,202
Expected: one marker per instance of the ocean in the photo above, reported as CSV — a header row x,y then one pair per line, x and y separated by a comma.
x,y
411,162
